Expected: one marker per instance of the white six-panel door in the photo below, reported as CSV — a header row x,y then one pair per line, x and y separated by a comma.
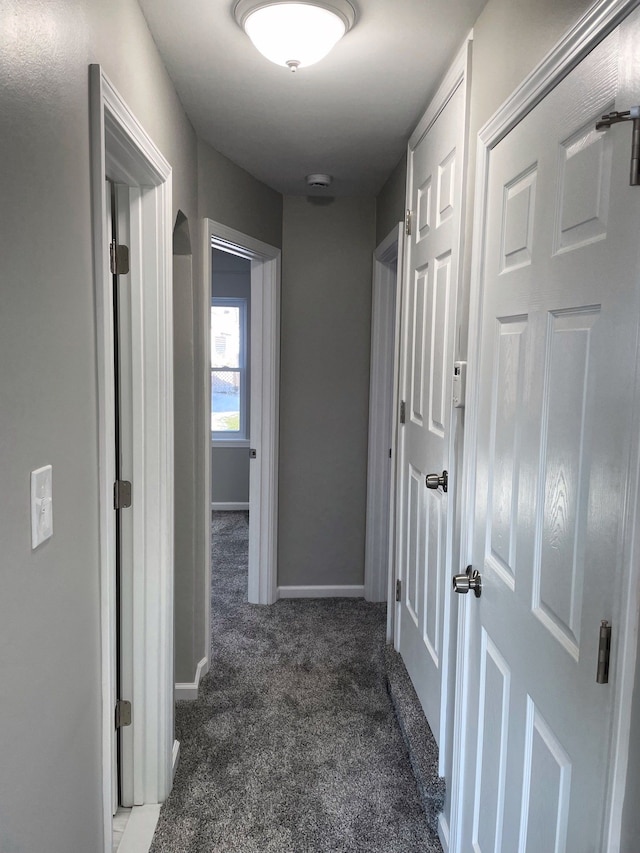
x,y
434,188
556,334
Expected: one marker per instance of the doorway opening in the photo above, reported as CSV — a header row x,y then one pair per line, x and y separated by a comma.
x,y
383,403
230,380
241,380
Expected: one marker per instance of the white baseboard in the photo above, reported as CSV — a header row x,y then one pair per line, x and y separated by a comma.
x,y
321,591
141,825
443,832
189,689
229,507
175,758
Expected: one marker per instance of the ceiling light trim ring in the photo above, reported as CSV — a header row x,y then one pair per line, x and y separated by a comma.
x,y
342,8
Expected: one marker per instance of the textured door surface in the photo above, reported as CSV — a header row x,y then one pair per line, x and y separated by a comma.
x,y
558,325
430,285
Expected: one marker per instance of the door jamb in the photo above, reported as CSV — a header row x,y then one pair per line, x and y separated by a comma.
x,y
383,394
121,150
264,428
597,22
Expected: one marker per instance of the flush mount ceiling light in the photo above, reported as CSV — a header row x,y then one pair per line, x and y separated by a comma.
x,y
295,34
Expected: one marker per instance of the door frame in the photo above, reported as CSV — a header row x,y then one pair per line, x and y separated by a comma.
x,y
264,426
596,23
122,151
383,397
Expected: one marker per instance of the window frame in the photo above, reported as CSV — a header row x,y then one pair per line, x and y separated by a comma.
x,y
230,438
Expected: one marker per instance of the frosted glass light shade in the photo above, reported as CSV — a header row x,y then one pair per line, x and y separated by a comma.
x,y
294,34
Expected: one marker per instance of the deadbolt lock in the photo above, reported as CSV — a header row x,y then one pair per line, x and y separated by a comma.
x,y
471,579
435,481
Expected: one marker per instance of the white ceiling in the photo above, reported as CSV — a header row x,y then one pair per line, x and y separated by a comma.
x,y
350,115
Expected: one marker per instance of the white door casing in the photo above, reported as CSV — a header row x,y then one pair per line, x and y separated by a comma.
x,y
264,428
131,519
431,284
551,459
124,153
383,394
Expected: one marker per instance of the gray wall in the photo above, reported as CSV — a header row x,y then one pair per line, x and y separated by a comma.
x,y
229,195
390,203
50,691
231,276
229,475
324,392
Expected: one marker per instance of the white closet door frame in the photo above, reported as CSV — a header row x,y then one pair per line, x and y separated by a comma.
x,y
122,151
591,28
383,396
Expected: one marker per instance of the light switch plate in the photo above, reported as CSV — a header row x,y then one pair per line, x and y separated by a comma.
x,y
41,505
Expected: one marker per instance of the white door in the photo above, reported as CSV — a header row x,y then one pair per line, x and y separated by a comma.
x,y
435,184
556,347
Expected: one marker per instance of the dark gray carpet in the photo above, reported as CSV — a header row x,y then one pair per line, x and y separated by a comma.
x,y
292,746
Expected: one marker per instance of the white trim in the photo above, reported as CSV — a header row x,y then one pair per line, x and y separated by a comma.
x,y
264,408
229,507
622,672
189,689
387,250
454,77
443,832
321,591
597,22
138,834
241,303
122,150
382,396
393,530
175,757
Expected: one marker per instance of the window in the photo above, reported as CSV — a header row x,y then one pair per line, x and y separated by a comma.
x,y
228,368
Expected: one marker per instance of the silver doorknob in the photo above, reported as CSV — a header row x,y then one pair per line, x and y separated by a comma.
x,y
470,580
436,480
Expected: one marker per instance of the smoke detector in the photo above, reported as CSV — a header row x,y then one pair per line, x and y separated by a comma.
x,y
319,181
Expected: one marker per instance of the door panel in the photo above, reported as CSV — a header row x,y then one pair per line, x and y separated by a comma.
x,y
426,369
558,326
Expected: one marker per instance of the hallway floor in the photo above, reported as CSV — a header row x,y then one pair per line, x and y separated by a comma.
x,y
292,745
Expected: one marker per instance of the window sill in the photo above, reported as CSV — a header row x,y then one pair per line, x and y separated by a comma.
x,y
230,442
